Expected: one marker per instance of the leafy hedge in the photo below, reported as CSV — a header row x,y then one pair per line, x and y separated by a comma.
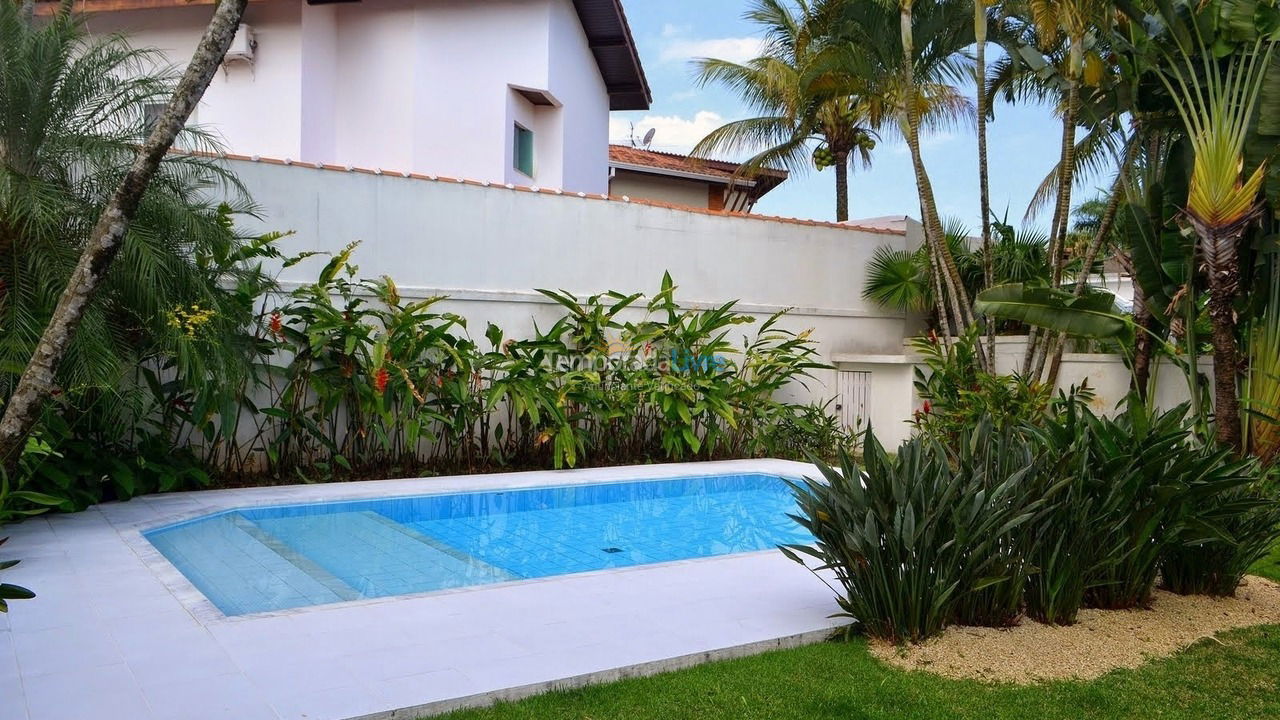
x,y
347,378
1043,517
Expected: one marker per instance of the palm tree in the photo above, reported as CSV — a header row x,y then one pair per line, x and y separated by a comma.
x,y
85,182
984,185
1216,101
1062,30
783,86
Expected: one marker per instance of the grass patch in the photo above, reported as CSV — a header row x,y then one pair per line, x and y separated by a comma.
x,y
1269,566
1238,677
841,681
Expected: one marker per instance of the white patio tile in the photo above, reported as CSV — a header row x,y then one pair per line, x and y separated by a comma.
x,y
411,690
332,703
118,634
90,693
212,697
64,649
13,702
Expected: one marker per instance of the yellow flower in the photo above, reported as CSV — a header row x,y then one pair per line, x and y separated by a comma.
x,y
189,320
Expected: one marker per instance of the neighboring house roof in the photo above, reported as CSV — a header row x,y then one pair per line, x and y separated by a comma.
x,y
692,168
605,24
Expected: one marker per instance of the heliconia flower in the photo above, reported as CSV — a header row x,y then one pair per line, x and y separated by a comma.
x,y
380,379
276,326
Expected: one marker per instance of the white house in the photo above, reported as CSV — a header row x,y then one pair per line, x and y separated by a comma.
x,y
510,91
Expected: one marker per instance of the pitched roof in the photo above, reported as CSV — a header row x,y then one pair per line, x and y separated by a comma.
x,y
609,37
661,163
603,21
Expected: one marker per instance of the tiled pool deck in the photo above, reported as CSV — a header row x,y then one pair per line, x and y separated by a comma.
x,y
118,634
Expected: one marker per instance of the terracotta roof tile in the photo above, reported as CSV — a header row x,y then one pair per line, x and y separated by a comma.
x,y
684,163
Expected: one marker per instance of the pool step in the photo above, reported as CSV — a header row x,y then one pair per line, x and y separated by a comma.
x,y
298,560
377,556
241,569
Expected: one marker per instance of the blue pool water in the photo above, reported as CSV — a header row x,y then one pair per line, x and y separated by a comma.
x,y
273,558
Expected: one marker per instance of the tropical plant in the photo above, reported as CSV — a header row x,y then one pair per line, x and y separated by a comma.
x,y
1215,84
957,394
1065,549
78,166
372,383
902,280
908,534
1222,538
16,504
1090,315
1015,493
1261,390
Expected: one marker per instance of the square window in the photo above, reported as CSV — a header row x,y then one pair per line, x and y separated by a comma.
x,y
522,150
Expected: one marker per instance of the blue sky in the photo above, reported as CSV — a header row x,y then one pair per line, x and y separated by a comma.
x,y
1023,140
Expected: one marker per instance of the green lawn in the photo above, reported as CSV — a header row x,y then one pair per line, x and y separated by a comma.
x,y
1239,678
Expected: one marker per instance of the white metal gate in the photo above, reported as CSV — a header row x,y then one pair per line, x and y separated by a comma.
x,y
853,390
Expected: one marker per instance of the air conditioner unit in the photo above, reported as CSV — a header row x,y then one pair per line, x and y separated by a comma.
x,y
242,46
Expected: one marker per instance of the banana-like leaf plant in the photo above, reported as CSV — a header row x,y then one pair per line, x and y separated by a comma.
x,y
1091,315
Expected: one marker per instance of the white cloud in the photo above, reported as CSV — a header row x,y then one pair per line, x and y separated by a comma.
x,y
733,49
672,132
669,30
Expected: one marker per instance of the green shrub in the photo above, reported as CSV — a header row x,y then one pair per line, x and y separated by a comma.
x,y
1016,487
957,394
916,537
1222,538
1065,549
1158,486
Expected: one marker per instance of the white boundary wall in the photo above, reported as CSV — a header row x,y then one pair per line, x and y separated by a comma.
x,y
893,398
488,247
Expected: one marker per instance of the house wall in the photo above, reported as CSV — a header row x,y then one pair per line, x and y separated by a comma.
x,y
642,186
422,85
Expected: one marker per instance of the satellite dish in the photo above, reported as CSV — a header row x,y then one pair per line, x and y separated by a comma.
x,y
648,137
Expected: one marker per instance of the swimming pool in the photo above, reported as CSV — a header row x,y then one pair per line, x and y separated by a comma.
x,y
261,559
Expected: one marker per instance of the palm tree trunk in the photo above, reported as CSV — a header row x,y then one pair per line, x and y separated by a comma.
x,y
1223,262
842,186
957,296
1105,224
1039,352
104,241
1143,344
984,192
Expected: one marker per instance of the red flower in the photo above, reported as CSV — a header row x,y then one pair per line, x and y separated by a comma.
x,y
277,327
927,407
380,379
